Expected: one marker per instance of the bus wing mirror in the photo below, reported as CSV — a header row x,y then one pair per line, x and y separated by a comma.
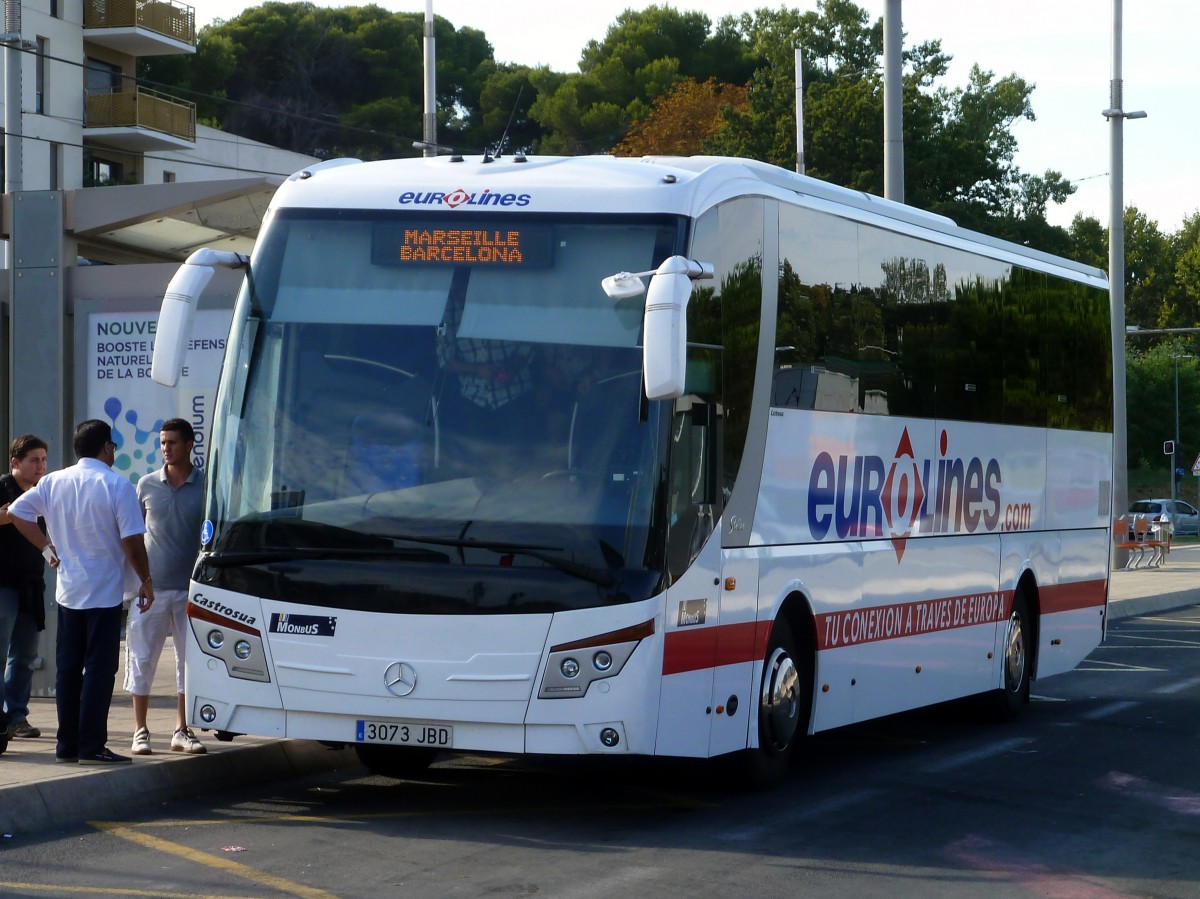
x,y
178,308
664,343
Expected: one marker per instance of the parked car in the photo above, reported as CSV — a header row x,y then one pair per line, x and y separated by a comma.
x,y
1182,518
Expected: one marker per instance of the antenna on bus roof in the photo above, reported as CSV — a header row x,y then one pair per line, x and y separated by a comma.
x,y
511,116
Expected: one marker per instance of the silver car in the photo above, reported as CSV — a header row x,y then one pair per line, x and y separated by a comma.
x,y
1183,518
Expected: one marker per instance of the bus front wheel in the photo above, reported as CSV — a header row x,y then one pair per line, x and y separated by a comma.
x,y
782,711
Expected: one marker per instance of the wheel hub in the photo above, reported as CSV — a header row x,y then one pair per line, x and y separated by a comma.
x,y
781,700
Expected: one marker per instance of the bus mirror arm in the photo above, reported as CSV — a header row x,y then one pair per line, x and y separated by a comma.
x,y
174,327
664,343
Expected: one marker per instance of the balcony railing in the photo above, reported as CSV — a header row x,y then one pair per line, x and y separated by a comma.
x,y
141,109
165,17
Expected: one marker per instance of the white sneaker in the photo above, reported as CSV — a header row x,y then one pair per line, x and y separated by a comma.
x,y
183,740
141,742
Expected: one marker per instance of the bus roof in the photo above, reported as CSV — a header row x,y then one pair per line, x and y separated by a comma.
x,y
607,184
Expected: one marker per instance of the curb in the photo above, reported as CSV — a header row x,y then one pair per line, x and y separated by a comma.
x,y
68,801
1148,605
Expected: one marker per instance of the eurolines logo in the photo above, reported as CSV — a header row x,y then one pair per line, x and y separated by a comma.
x,y
459,197
869,496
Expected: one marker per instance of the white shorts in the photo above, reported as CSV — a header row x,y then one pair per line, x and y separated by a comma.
x,y
146,634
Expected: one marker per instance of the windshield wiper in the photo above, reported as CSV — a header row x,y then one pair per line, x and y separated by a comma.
x,y
239,558
542,553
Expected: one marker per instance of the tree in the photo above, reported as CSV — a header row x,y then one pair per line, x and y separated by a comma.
x,y
682,120
330,81
642,56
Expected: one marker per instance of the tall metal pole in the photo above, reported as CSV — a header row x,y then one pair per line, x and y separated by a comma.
x,y
11,40
429,131
893,103
1116,273
1175,445
799,112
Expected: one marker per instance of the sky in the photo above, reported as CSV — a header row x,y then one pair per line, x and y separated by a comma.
x,y
1063,47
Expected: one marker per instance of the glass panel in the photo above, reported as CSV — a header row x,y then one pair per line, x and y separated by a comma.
x,y
389,406
877,322
727,312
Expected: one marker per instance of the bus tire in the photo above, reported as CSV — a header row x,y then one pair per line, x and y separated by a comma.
x,y
1016,660
398,762
784,700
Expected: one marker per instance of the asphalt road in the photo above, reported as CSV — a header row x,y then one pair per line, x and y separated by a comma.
x,y
1094,792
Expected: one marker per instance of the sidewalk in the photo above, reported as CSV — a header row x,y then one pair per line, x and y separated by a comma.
x,y
36,793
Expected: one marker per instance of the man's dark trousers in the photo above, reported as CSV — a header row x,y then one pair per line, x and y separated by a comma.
x,y
88,655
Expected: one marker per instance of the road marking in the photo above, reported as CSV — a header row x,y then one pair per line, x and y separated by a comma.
x,y
212,861
975,755
1112,708
60,889
1119,667
1179,687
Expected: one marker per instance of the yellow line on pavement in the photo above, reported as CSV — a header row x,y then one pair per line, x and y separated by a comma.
x,y
213,861
668,801
60,889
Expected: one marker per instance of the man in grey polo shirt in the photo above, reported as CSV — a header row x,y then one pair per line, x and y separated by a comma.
x,y
172,500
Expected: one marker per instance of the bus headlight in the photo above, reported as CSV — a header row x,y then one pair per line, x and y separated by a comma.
x,y
216,639
565,678
242,649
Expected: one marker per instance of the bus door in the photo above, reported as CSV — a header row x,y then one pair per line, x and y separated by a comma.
x,y
694,683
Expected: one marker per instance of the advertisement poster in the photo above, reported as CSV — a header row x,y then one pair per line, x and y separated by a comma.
x,y
121,392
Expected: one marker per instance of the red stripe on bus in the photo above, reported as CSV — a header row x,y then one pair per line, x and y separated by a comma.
x,y
1073,596
711,647
694,649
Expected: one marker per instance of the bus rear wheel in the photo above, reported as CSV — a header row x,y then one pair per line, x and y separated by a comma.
x,y
1017,659
398,762
782,712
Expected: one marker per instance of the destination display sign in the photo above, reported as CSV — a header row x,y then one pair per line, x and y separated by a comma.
x,y
494,245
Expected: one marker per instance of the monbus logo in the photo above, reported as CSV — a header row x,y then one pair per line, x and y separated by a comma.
x,y
459,197
869,496
303,625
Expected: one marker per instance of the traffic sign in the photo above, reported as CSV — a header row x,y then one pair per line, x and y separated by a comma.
x,y
1196,467
1168,447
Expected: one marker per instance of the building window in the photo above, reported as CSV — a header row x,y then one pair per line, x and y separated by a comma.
x,y
99,171
55,166
168,177
101,77
55,11
39,78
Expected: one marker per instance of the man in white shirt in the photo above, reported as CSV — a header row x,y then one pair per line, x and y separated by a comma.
x,y
95,529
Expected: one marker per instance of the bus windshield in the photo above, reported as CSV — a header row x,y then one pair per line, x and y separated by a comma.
x,y
409,401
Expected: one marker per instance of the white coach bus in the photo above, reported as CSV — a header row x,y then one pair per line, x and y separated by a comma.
x,y
665,456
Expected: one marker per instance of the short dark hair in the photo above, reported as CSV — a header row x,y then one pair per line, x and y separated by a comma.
x,y
182,425
24,445
90,438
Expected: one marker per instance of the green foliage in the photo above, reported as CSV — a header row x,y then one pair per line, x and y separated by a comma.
x,y
349,81
1150,394
330,81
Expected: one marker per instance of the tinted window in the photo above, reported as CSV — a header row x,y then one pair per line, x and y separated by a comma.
x,y
877,322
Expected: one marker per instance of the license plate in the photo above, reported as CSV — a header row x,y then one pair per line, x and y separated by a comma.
x,y
405,733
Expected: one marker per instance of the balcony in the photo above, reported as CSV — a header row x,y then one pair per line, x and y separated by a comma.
x,y
139,120
140,27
